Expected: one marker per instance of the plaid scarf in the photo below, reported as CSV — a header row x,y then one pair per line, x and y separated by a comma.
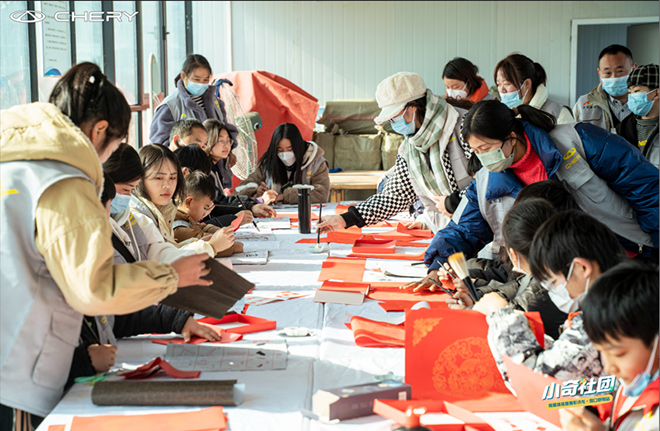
x,y
429,146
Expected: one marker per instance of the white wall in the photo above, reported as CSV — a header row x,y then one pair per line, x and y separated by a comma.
x,y
342,49
643,42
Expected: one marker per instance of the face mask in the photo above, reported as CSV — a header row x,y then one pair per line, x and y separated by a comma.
x,y
615,87
287,157
516,264
639,104
496,161
641,381
458,94
560,297
400,126
513,99
196,88
119,203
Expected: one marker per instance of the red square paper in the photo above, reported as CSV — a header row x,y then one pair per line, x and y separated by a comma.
x,y
448,358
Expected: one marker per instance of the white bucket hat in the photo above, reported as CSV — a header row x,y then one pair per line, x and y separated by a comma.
x,y
395,91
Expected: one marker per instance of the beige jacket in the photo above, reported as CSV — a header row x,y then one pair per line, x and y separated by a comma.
x,y
541,98
315,172
72,229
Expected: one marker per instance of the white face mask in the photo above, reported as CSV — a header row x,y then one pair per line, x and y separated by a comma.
x,y
515,263
287,157
561,298
458,94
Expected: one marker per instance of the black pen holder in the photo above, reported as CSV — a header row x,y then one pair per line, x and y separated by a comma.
x,y
304,207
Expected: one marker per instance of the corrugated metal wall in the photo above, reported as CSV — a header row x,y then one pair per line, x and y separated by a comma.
x,y
342,49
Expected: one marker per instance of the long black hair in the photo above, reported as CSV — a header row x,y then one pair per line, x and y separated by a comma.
x,y
271,163
153,156
494,120
86,96
464,70
124,165
192,62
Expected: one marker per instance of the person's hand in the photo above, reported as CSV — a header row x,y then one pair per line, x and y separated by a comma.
x,y
279,198
231,160
102,356
222,239
331,223
490,302
191,269
439,275
579,419
194,328
238,247
414,225
459,301
261,189
263,210
440,205
226,191
247,216
269,196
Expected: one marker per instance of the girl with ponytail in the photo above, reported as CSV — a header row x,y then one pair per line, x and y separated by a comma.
x,y
521,81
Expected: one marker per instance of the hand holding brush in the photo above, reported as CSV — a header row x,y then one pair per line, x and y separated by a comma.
x,y
459,266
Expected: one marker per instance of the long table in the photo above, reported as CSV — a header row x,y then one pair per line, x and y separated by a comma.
x,y
277,399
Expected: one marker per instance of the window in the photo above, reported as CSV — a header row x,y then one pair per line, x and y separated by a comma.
x,y
126,76
176,40
89,35
14,57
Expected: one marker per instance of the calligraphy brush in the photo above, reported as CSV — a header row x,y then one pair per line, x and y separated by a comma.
x,y
443,289
318,231
243,205
458,264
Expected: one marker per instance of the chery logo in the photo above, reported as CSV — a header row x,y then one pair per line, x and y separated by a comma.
x,y
27,16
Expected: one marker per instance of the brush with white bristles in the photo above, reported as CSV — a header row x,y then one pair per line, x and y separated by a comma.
x,y
459,265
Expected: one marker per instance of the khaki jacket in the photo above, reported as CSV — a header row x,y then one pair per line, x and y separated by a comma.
x,y
72,229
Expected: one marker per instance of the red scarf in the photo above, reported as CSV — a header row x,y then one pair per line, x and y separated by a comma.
x,y
529,169
480,92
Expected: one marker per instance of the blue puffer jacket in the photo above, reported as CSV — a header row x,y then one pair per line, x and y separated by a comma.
x,y
610,157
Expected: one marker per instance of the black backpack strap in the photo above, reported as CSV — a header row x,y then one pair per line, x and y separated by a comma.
x,y
121,248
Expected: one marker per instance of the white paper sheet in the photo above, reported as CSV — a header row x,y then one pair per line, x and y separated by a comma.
x,y
250,258
275,223
242,355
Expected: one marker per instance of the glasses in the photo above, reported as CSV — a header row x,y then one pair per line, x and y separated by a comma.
x,y
550,287
226,142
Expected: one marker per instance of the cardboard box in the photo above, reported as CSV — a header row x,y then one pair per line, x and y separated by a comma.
x,y
356,401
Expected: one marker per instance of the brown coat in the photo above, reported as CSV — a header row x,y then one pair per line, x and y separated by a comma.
x,y
320,179
196,230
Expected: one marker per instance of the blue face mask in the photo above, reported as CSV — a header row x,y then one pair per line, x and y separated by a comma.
x,y
641,381
400,126
639,104
119,204
196,89
615,87
513,99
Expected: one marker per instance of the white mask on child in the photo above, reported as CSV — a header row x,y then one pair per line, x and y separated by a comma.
x,y
287,157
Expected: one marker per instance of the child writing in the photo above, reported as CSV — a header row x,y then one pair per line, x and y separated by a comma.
x,y
289,160
196,204
569,251
97,350
152,198
621,319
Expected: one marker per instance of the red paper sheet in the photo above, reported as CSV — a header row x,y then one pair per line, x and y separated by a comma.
x,y
418,233
342,268
211,419
237,222
448,358
341,286
399,411
252,323
227,337
377,246
529,386
418,257
293,217
150,369
341,209
372,333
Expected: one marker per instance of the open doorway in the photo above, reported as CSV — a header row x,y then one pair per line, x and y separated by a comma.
x,y
590,36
